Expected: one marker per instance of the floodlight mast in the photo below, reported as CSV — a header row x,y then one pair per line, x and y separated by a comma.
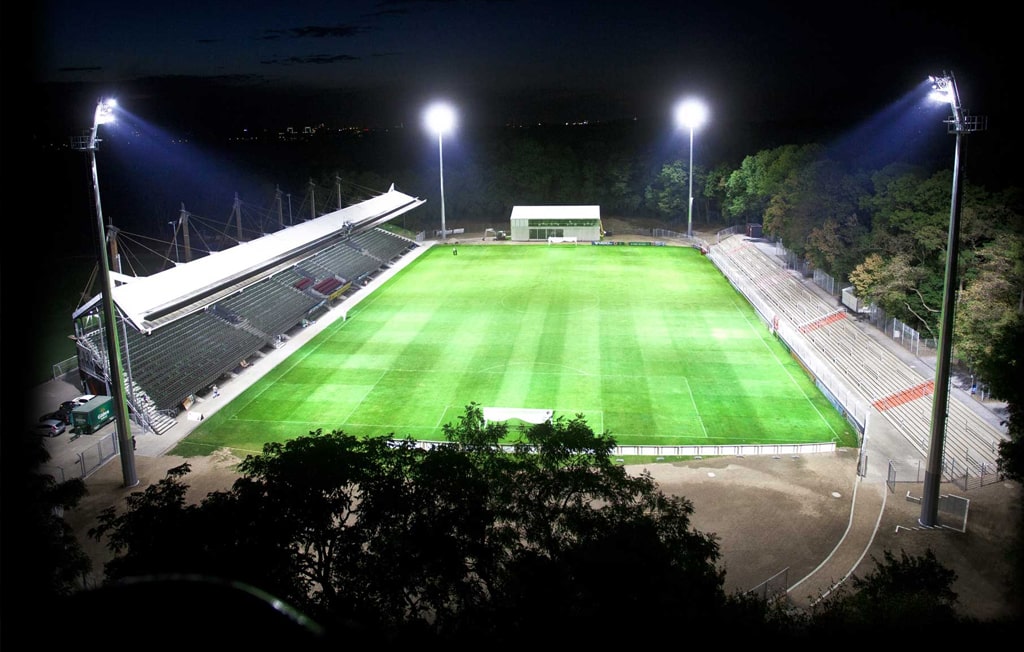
x,y
441,118
944,88
691,114
105,114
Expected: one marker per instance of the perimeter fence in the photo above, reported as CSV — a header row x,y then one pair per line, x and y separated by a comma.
x,y
966,474
773,588
87,461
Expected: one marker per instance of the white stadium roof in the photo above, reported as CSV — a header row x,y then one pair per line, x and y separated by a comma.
x,y
139,297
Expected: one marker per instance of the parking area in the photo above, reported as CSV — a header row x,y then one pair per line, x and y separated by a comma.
x,y
71,454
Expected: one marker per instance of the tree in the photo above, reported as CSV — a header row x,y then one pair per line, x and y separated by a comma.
x,y
493,537
837,245
990,302
910,222
893,285
904,595
750,188
43,561
1004,371
714,191
813,192
625,180
669,193
462,541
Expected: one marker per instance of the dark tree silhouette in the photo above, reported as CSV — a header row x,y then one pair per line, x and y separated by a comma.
x,y
43,561
463,541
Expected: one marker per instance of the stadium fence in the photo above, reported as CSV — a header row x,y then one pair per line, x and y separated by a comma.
x,y
971,474
735,450
90,459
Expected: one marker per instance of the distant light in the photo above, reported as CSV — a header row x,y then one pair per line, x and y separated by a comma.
x,y
691,114
440,118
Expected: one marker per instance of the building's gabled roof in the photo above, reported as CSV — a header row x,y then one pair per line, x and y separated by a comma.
x,y
142,300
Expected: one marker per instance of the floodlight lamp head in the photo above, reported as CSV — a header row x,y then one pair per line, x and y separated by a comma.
x,y
942,89
691,114
440,118
105,111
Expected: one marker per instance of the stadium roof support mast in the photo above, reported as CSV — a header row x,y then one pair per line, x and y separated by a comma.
x,y
944,89
441,118
105,114
691,114
174,234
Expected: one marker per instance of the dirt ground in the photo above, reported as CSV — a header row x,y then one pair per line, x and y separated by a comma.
x,y
800,523
814,520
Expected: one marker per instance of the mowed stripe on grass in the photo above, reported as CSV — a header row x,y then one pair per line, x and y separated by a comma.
x,y
649,343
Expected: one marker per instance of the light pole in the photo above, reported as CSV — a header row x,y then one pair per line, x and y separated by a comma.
x,y
441,118
945,90
105,114
691,114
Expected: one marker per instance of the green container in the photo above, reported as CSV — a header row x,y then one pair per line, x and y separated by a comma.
x,y
90,417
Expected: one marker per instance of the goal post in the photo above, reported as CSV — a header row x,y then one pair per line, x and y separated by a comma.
x,y
523,414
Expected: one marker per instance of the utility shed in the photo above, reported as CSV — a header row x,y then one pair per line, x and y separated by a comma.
x,y
543,222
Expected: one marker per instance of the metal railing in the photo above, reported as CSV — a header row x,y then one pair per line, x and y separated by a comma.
x,y
87,461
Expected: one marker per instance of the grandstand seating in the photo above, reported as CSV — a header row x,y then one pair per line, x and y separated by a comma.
x,y
346,262
191,351
383,245
311,269
177,360
270,307
813,327
328,285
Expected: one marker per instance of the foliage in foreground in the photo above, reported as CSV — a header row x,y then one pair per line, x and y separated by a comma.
x,y
43,561
899,595
468,541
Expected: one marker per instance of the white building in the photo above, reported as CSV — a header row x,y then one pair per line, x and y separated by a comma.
x,y
543,222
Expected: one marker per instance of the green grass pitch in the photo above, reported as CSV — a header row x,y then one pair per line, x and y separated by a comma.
x,y
649,343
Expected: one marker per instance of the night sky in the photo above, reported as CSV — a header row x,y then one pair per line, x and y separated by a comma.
x,y
770,73
376,63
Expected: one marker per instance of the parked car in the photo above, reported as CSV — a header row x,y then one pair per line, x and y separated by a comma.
x,y
50,428
61,414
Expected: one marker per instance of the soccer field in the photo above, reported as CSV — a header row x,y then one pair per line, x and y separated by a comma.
x,y
649,343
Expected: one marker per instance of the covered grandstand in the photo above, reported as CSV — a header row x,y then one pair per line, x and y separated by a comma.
x,y
183,329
